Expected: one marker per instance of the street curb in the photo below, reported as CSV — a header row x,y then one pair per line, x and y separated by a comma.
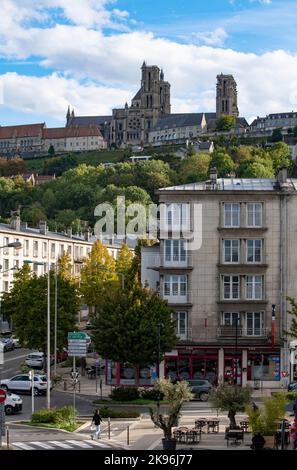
x,y
18,423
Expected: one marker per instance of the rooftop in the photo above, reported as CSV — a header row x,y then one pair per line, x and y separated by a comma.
x,y
179,120
234,184
26,130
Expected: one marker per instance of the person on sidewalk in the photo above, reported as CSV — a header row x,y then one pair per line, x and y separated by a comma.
x,y
293,434
258,442
97,422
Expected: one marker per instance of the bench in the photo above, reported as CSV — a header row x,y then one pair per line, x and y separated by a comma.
x,y
234,437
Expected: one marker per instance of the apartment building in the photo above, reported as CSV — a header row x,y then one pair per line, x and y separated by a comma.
x,y
40,246
224,293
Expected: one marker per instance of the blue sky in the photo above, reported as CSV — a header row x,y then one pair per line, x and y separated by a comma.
x,y
87,54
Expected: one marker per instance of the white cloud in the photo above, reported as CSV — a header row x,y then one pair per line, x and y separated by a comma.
x,y
211,38
97,72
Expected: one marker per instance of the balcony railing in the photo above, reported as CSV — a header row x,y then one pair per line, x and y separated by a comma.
x,y
176,263
186,335
177,299
225,331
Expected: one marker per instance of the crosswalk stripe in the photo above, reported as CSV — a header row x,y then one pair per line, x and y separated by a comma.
x,y
22,445
42,444
60,444
99,444
81,444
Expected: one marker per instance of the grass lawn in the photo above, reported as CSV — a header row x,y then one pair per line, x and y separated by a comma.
x,y
65,427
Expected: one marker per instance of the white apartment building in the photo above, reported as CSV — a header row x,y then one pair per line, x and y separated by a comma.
x,y
222,294
40,246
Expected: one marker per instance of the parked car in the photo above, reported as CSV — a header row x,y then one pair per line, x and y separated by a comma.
x,y
292,387
200,389
16,342
13,404
22,383
35,360
8,344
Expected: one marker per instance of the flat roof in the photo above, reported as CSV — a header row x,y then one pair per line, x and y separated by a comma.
x,y
233,184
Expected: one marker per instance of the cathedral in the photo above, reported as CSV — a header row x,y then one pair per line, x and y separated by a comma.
x,y
132,125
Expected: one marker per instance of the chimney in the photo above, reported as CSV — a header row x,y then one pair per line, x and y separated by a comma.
x,y
87,236
24,226
69,232
213,175
15,223
43,227
282,176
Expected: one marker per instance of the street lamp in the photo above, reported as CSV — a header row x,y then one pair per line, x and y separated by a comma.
x,y
236,358
16,245
48,358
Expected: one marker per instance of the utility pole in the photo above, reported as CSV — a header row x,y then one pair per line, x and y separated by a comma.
x,y
56,318
236,358
48,366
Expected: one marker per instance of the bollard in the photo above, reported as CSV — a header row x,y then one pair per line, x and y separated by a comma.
x,y
108,428
7,437
128,434
65,385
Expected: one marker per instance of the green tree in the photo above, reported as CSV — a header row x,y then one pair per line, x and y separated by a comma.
x,y
126,326
230,398
194,168
277,135
223,163
51,151
256,169
98,275
226,123
175,395
26,304
280,155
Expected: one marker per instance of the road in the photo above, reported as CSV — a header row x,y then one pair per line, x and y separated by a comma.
x,y
12,362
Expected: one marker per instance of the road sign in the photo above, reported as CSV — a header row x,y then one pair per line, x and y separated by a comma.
x,y
77,344
2,395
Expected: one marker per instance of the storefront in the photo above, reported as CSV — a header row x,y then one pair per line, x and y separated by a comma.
x,y
193,365
126,374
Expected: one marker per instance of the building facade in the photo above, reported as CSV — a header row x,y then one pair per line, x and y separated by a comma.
x,y
40,245
24,139
266,125
175,128
222,294
131,125
73,139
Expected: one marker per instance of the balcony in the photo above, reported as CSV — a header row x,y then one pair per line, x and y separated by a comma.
x,y
177,299
225,331
186,335
187,263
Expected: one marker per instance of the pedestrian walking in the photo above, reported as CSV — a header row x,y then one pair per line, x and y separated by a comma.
x,y
295,408
96,421
293,435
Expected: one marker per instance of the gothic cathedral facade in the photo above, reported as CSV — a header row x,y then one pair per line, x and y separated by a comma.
x,y
131,125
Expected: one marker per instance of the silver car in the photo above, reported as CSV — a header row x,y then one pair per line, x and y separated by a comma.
x,y
21,383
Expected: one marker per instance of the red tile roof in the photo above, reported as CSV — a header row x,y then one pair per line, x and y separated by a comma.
x,y
66,132
27,130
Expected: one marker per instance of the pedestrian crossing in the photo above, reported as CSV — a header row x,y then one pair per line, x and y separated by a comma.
x,y
70,444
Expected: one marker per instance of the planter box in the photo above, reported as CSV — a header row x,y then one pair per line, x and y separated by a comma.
x,y
169,444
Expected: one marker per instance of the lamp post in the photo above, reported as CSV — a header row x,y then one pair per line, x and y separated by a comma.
x,y
48,336
158,359
56,319
236,358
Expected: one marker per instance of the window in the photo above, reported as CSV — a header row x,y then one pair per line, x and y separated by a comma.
x,y
15,250
175,285
35,249
44,249
254,251
232,215
5,264
231,287
5,286
16,264
254,324
254,214
26,248
230,319
177,216
231,251
61,253
6,242
254,287
181,320
175,250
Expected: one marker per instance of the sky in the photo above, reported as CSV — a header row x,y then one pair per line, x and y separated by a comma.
x,y
88,54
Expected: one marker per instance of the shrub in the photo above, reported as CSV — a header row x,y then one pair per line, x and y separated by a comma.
x,y
152,394
124,394
266,419
106,412
61,416
44,416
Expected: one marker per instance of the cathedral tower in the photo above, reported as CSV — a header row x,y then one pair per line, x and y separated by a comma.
x,y
226,96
